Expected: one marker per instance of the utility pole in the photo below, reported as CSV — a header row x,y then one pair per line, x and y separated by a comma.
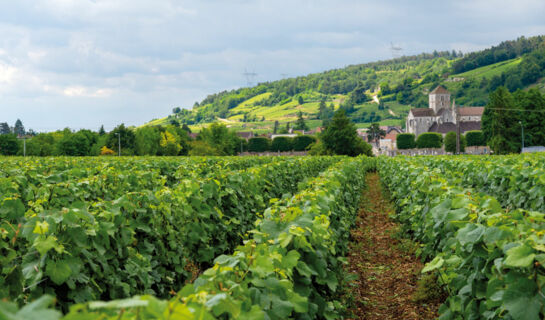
x,y
457,129
118,144
24,146
522,135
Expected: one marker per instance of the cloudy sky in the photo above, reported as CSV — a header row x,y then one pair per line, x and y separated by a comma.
x,y
83,63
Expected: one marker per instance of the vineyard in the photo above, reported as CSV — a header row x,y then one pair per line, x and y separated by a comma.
x,y
260,237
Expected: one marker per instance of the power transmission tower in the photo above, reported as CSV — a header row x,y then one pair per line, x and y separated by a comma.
x,y
250,76
397,51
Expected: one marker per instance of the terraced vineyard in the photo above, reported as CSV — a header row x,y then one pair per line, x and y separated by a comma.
x,y
265,238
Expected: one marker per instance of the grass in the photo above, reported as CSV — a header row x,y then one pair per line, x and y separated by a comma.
x,y
491,70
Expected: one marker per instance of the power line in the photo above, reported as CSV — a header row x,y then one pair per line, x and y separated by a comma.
x,y
523,110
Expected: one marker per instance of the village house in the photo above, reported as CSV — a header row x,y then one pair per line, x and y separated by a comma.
x,y
442,116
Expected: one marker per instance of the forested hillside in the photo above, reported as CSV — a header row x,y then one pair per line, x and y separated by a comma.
x,y
381,91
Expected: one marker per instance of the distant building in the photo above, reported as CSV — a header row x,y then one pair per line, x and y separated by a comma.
x,y
533,149
442,116
247,135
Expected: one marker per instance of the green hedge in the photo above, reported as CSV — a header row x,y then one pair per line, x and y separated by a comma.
x,y
429,140
301,143
405,141
259,144
282,144
475,138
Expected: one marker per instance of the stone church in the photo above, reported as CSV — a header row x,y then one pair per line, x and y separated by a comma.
x,y
442,116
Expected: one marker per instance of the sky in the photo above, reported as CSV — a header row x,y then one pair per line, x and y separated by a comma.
x,y
87,63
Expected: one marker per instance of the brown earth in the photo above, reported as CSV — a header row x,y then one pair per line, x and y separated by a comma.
x,y
385,263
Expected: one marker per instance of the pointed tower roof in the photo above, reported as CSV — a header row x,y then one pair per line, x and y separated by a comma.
x,y
439,90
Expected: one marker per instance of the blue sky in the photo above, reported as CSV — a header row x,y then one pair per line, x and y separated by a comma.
x,y
83,63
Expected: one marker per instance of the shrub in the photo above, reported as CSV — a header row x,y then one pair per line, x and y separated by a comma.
x,y
301,143
429,140
282,144
405,141
475,138
450,142
105,151
259,144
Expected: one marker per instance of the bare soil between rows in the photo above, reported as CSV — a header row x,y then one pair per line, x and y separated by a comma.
x,y
385,263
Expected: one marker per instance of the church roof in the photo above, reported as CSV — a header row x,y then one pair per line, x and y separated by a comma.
x,y
439,90
471,111
449,126
422,112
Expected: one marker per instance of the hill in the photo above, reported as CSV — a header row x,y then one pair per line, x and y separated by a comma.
x,y
381,91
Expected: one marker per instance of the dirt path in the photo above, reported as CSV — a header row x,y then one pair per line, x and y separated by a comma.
x,y
387,269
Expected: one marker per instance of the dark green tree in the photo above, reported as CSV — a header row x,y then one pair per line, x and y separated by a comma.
x,y
341,137
533,118
450,142
4,128
186,128
300,123
8,144
275,129
300,100
374,133
127,139
301,142
101,131
259,144
221,138
500,123
19,129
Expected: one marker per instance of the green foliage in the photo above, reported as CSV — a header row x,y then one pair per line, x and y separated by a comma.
x,y
405,141
500,123
471,240
221,138
475,138
450,142
375,133
281,144
259,144
98,226
429,140
292,261
8,144
301,142
147,140
201,148
123,134
300,123
341,137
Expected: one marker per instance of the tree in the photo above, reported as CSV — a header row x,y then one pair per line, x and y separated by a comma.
x,y
300,100
169,145
127,139
405,141
201,148
176,110
533,120
429,140
300,123
19,129
374,133
221,138
74,144
500,123
282,144
4,128
101,131
450,142
475,138
105,151
341,137
275,127
186,128
8,144
259,144
147,141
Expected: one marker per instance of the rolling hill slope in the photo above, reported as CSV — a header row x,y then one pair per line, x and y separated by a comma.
x,y
382,91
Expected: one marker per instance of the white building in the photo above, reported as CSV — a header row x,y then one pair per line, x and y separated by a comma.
x,y
442,116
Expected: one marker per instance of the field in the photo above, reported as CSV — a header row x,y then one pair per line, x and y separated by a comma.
x,y
271,237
